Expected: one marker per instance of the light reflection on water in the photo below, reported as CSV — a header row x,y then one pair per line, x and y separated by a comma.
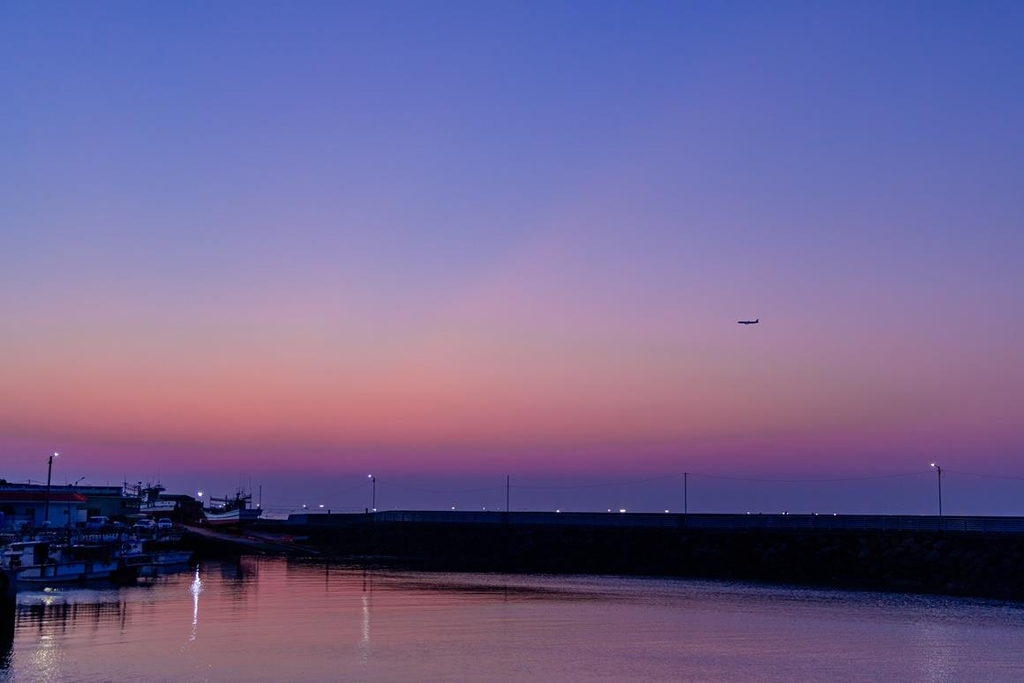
x,y
273,620
195,589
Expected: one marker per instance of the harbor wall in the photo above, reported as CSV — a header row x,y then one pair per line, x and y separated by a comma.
x,y
920,559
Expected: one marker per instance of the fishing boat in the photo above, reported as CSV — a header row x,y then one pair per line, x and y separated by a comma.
x,y
152,503
48,563
231,511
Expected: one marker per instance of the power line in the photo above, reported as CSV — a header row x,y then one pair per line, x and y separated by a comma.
x,y
812,481
604,484
402,487
681,475
986,476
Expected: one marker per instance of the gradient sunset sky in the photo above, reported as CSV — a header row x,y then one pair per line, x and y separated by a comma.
x,y
292,244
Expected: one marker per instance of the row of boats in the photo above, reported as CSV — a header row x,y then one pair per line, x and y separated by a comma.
x,y
52,559
108,551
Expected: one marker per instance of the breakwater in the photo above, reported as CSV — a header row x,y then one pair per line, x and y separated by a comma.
x,y
976,556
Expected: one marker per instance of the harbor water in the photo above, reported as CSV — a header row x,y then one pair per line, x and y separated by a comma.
x,y
269,619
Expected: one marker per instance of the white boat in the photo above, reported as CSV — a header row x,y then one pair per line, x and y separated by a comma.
x,y
148,559
133,554
46,563
228,511
151,504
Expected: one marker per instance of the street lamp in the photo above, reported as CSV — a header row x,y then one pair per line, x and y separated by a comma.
x,y
938,471
373,492
49,472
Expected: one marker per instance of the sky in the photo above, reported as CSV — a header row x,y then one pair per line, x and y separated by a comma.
x,y
288,245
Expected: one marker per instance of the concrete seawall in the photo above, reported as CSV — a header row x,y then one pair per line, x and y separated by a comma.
x,y
887,555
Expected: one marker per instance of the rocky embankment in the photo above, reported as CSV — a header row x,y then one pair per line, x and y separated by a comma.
x,y
932,562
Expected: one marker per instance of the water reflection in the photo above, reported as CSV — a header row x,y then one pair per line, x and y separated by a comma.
x,y
195,588
240,573
53,615
937,644
242,570
270,620
364,642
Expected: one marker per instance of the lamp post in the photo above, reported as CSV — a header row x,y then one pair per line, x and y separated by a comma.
x,y
938,471
49,473
373,492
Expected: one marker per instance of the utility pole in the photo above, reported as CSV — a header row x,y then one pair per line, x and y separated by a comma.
x,y
49,472
686,476
938,471
508,478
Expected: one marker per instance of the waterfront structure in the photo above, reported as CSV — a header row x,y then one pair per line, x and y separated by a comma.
x,y
65,505
33,507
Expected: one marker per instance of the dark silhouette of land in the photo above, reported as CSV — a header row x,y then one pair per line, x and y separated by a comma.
x,y
969,556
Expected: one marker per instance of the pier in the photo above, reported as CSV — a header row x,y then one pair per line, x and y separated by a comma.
x,y
975,556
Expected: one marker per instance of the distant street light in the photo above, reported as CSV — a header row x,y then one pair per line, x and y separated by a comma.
x,y
938,471
373,492
49,472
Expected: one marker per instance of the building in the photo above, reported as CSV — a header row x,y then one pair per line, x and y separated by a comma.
x,y
109,501
31,506
63,506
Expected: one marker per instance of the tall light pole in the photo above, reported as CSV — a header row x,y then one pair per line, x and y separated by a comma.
x,y
373,492
49,473
938,471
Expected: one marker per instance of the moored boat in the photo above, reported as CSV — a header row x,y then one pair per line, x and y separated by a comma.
x,y
231,511
47,563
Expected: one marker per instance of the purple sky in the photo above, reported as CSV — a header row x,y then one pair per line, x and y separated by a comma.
x,y
294,244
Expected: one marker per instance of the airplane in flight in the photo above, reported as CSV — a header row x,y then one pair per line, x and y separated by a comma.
x,y
748,322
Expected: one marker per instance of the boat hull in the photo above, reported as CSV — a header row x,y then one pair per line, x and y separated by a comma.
x,y
58,573
232,517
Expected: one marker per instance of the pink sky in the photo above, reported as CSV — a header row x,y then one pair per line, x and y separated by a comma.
x,y
216,261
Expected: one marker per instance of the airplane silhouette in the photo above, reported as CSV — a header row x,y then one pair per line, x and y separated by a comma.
x,y
748,322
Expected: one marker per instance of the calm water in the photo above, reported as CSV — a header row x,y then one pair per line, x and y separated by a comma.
x,y
273,620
